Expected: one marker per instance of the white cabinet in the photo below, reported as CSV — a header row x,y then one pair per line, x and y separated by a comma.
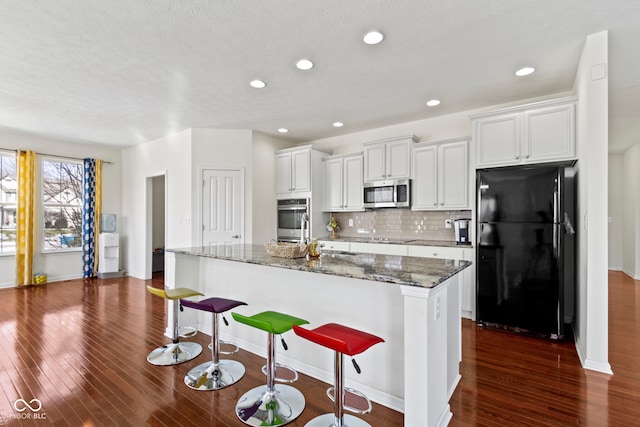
x,y
532,133
440,175
467,284
343,183
388,159
296,170
379,248
334,245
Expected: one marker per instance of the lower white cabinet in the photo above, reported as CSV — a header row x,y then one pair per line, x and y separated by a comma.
x,y
379,248
334,245
468,284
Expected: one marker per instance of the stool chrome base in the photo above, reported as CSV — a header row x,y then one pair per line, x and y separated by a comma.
x,y
329,420
207,376
174,353
261,407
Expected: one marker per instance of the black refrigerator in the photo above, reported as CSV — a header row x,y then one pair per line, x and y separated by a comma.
x,y
525,246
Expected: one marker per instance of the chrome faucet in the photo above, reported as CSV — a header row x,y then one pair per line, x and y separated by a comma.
x,y
303,220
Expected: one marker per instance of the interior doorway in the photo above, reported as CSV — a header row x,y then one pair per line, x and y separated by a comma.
x,y
156,225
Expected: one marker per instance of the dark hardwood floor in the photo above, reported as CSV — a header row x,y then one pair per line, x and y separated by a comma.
x,y
80,348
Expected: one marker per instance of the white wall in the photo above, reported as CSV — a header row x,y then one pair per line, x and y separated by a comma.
x,y
68,265
631,212
264,184
221,149
615,203
170,156
592,141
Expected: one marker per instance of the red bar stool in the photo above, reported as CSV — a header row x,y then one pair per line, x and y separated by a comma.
x,y
176,352
269,405
343,340
215,374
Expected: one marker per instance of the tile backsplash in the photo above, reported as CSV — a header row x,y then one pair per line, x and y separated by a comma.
x,y
399,224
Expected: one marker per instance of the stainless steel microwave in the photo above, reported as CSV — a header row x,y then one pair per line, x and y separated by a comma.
x,y
387,194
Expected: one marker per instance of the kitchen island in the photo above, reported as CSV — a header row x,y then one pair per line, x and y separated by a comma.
x,y
412,303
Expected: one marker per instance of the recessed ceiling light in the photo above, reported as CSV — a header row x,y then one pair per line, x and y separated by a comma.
x,y
433,102
304,64
525,71
338,124
283,130
258,84
373,37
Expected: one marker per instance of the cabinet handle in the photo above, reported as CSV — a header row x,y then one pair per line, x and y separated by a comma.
x,y
235,236
517,157
435,254
441,203
527,156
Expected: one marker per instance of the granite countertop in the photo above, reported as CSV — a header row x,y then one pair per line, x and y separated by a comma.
x,y
394,269
410,242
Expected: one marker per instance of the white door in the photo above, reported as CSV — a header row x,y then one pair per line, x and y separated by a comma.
x,y
221,207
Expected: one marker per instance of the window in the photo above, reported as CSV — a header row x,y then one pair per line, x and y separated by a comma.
x,y
8,202
62,204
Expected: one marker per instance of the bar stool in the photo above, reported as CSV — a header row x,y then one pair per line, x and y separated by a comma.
x,y
267,405
176,352
215,374
343,340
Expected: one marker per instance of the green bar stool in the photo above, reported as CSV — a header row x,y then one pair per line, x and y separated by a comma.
x,y
268,405
176,352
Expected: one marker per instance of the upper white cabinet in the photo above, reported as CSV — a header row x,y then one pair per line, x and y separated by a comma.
x,y
295,171
532,133
343,183
440,175
388,159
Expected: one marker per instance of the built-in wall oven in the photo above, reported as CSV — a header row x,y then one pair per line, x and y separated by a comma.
x,y
291,214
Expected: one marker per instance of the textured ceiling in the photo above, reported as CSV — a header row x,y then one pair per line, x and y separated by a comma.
x,y
122,72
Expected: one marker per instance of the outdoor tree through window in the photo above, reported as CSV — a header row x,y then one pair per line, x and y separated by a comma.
x,y
62,204
8,202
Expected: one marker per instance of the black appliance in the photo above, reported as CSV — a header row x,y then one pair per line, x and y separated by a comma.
x,y
525,248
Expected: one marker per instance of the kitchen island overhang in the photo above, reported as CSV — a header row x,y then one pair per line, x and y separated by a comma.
x,y
413,303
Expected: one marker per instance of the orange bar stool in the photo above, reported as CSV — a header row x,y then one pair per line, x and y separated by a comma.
x,y
176,352
343,340
267,405
216,373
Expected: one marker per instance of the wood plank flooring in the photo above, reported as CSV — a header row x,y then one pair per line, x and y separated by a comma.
x,y
80,348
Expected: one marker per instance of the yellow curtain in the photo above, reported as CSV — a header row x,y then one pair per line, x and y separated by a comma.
x,y
26,200
98,211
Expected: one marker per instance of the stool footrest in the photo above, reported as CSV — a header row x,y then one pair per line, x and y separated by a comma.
x,y
226,352
354,400
187,331
284,374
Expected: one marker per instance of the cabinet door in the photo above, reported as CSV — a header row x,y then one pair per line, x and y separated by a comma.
x,y
549,133
301,178
333,185
283,173
374,162
352,187
468,286
425,177
398,162
497,140
453,178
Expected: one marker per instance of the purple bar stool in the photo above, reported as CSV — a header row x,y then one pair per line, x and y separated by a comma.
x,y
216,373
